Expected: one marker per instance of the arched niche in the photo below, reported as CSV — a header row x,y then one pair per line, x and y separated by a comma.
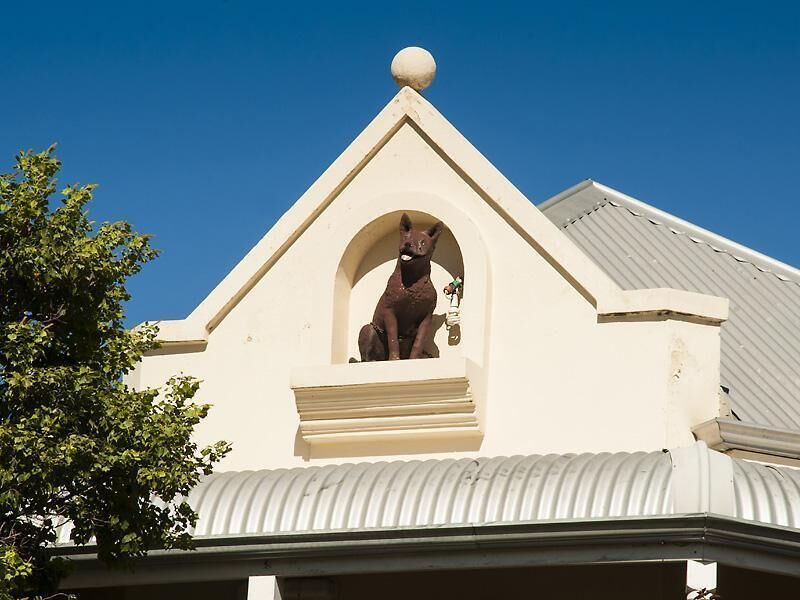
x,y
365,267
404,406
370,257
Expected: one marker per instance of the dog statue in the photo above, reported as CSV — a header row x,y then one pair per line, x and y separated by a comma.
x,y
402,319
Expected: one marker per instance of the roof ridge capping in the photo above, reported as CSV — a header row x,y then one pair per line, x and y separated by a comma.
x,y
409,108
562,213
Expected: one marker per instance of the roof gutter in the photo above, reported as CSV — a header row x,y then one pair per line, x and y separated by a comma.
x,y
672,538
746,440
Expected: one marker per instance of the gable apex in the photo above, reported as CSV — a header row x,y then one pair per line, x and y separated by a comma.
x,y
409,108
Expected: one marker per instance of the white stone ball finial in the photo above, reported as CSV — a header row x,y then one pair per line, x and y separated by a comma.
x,y
413,67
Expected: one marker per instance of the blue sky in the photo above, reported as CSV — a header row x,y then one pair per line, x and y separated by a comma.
x,y
204,121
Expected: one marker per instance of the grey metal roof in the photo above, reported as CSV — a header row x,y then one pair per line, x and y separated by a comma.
x,y
433,493
520,511
517,490
642,247
766,493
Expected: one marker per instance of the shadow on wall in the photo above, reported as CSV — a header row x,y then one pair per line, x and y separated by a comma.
x,y
363,271
391,446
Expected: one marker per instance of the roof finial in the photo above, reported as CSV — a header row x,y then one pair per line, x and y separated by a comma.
x,y
413,67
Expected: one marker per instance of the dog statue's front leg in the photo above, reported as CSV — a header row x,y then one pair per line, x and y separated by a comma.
x,y
422,335
392,337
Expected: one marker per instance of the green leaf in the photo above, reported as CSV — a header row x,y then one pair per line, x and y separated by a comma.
x,y
75,440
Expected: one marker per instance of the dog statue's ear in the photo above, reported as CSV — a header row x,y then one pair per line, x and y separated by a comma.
x,y
405,224
435,230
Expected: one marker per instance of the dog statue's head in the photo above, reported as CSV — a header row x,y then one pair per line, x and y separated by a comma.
x,y
417,245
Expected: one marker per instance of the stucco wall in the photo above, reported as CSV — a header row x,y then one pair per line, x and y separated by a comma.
x,y
550,376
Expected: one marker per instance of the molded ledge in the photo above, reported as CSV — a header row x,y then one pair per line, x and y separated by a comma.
x,y
361,402
179,336
748,440
665,301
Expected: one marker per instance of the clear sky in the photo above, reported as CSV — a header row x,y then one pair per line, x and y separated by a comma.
x,y
204,121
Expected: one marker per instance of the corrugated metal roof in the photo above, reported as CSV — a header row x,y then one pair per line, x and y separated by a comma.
x,y
433,493
483,491
767,494
642,247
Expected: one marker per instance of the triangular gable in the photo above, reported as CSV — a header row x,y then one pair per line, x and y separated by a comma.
x,y
408,107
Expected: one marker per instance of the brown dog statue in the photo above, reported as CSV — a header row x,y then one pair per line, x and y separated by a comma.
x,y
402,319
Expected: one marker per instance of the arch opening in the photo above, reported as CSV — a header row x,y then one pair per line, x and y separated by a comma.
x,y
365,266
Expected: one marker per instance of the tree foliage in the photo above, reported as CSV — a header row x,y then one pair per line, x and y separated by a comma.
x,y
77,443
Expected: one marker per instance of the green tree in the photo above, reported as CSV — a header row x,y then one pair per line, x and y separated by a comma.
x,y
76,443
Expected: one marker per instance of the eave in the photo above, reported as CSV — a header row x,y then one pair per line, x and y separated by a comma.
x,y
683,504
703,536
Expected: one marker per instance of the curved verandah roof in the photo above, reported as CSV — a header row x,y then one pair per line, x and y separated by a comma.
x,y
688,503
503,490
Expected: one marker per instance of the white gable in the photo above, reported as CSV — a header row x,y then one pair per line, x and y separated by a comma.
x,y
551,355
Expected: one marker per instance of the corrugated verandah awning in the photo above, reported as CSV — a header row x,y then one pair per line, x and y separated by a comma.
x,y
565,509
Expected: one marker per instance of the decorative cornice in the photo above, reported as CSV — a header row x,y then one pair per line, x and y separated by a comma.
x,y
364,401
178,337
751,441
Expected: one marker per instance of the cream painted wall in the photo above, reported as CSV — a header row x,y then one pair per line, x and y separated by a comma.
x,y
550,376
